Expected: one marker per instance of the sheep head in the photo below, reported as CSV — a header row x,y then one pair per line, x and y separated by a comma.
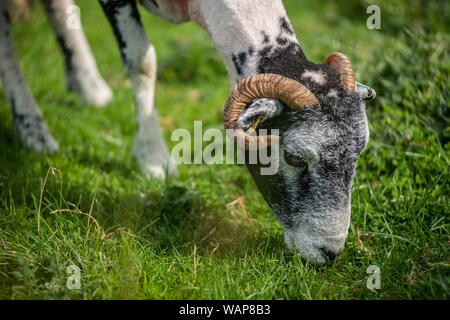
x,y
320,114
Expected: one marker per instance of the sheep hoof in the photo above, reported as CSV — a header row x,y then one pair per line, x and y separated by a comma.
x,y
92,89
34,134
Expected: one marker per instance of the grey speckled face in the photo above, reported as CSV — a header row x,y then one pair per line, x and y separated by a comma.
x,y
319,149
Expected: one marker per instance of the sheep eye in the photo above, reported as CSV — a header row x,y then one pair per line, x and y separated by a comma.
x,y
295,161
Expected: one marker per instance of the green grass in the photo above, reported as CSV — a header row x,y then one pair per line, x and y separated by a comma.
x,y
182,238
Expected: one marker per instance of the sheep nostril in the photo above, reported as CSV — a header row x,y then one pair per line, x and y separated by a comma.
x,y
329,254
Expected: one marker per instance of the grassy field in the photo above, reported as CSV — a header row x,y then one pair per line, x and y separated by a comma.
x,y
208,233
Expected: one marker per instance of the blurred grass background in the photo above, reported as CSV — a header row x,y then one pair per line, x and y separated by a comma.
x,y
208,233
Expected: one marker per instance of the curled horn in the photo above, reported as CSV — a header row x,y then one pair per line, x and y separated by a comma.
x,y
342,66
292,93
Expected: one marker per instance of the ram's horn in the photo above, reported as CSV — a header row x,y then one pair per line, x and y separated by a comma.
x,y
342,66
290,92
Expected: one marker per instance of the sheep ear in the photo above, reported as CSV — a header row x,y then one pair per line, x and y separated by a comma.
x,y
259,110
365,92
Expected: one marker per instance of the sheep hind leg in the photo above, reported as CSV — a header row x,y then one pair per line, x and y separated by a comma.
x,y
29,123
82,75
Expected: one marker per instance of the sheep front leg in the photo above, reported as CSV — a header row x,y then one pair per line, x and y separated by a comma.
x,y
29,123
82,75
139,58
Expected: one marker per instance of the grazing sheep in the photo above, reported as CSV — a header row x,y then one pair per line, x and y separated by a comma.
x,y
318,108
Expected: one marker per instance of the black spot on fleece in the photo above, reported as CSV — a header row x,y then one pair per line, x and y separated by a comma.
x,y
290,61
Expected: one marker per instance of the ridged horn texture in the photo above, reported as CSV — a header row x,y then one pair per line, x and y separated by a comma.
x,y
342,66
290,92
